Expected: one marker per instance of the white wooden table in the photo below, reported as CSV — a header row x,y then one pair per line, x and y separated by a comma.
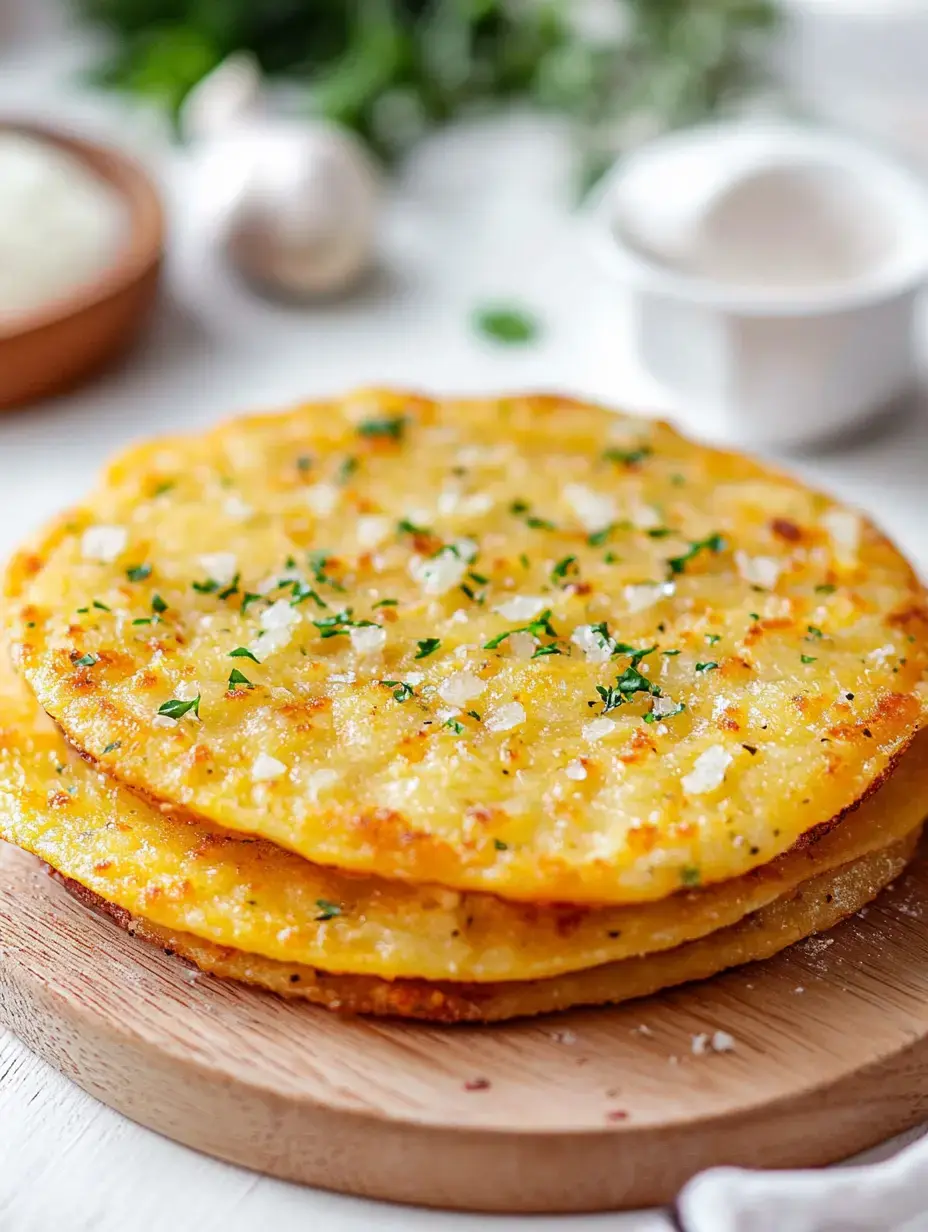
x,y
482,213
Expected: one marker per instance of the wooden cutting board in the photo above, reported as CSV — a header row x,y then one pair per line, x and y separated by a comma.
x,y
583,1111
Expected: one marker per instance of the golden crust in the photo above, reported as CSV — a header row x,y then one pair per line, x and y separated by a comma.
x,y
814,906
245,893
802,638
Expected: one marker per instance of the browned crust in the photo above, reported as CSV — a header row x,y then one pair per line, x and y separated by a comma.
x,y
812,907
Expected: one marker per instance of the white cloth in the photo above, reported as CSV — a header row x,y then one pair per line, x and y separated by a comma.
x,y
890,1196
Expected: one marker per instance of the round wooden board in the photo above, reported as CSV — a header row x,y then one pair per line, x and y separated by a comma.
x,y
585,1111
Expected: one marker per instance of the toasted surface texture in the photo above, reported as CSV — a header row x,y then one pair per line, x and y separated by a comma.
x,y
455,621
816,905
247,894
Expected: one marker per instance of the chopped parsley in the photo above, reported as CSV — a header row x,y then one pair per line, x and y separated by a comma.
x,y
302,590
507,324
341,622
427,646
815,632
158,605
237,678
176,709
402,692
623,648
562,568
242,652
327,910
455,726
825,589
386,603
390,427
111,748
712,543
248,598
474,715
347,469
500,845
405,527
712,638
304,463
166,486
599,537
628,457
690,876
549,648
209,587
808,658
702,668
540,625
520,509
87,660
231,589
670,653
138,573
317,562
659,532
626,686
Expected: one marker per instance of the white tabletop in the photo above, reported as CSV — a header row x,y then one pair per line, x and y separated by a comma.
x,y
482,212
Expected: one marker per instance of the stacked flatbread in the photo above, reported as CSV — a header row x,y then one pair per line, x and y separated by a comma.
x,y
461,710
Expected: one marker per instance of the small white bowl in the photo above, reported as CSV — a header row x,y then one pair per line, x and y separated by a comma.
x,y
793,360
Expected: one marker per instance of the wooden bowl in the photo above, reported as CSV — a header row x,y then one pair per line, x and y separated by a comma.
x,y
52,348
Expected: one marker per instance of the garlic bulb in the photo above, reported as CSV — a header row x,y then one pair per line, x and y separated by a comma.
x,y
294,202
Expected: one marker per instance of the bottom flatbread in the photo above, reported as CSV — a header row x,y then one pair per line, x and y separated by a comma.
x,y
815,905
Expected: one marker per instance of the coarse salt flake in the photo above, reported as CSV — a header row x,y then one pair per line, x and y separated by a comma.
x,y
505,717
594,644
461,688
595,510
845,528
322,498
163,720
264,768
758,570
596,729
220,567
102,544
708,771
642,595
372,529
237,509
662,706
520,607
575,770
521,645
368,640
438,574
280,615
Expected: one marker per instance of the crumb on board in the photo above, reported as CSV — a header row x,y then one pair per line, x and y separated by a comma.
x,y
718,1041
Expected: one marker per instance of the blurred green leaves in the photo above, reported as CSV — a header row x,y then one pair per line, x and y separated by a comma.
x,y
391,69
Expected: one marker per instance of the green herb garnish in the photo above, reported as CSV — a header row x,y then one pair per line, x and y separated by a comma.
x,y
541,624
402,692
111,748
427,646
669,714
560,570
237,678
628,457
242,652
808,658
87,660
507,324
702,668
327,910
138,573
690,876
158,605
176,709
391,427
713,543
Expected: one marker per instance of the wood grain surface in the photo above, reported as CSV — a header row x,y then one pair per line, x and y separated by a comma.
x,y
585,1111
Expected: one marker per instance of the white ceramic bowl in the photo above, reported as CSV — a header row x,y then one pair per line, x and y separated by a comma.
x,y
781,365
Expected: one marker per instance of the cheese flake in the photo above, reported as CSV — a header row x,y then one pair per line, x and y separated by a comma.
x,y
265,768
596,729
520,607
595,510
505,717
708,771
102,544
461,688
220,567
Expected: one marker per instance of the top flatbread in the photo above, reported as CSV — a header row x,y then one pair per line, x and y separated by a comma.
x,y
518,645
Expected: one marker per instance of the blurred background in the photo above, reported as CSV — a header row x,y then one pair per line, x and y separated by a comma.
x,y
468,195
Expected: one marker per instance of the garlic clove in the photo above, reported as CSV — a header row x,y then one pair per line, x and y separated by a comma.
x,y
223,98
303,223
